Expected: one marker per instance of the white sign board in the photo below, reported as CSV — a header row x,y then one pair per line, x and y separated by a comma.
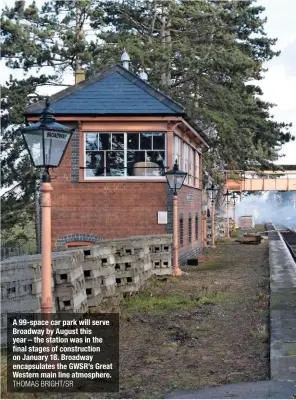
x,y
56,135
189,197
162,217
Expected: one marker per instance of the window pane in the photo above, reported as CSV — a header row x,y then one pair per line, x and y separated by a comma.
x,y
95,163
114,163
197,169
176,153
133,141
104,141
191,172
117,141
185,160
136,163
146,141
196,227
158,141
155,163
91,141
181,232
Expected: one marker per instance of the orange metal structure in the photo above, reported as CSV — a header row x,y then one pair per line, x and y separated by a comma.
x,y
253,181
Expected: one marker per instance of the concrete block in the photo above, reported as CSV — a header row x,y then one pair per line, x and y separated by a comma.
x,y
160,256
94,277
101,251
92,271
161,271
92,264
142,252
21,305
108,261
94,294
161,264
126,259
108,291
108,270
94,301
165,248
73,303
130,284
147,266
19,289
68,276
108,280
126,250
108,286
21,269
155,248
67,260
93,291
37,286
71,288
134,271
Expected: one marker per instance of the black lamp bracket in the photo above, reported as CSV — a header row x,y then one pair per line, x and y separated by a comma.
x,y
46,176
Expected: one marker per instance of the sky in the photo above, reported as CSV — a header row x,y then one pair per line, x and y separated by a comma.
x,y
279,85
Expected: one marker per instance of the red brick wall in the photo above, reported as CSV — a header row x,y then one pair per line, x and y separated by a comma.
x,y
116,209
108,210
190,207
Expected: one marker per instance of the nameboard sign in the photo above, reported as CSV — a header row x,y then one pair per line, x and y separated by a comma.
x,y
189,197
56,135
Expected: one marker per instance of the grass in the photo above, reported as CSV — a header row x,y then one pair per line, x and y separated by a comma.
x,y
157,305
178,332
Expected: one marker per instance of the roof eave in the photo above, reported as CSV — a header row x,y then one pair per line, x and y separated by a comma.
x,y
81,114
197,131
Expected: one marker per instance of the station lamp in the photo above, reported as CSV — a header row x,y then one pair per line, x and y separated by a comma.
x,y
175,179
46,142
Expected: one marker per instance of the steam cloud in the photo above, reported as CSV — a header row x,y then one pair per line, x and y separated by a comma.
x,y
265,208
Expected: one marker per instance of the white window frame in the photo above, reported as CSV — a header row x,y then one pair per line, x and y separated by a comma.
x,y
197,169
185,160
125,177
191,166
177,150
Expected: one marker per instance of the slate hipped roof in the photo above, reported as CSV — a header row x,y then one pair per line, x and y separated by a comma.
x,y
114,91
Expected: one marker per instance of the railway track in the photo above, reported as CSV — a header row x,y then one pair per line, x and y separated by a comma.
x,y
288,235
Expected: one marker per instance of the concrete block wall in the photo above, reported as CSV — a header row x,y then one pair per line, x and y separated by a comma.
x,y
21,284
220,228
88,279
69,288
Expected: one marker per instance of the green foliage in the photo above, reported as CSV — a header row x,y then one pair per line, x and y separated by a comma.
x,y
204,54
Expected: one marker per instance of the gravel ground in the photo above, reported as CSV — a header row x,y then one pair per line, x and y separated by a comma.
x,y
206,328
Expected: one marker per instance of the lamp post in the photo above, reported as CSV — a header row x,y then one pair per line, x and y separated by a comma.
x,y
46,142
175,179
213,191
204,228
227,196
234,197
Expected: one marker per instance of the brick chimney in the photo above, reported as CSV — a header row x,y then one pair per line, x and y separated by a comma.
x,y
79,76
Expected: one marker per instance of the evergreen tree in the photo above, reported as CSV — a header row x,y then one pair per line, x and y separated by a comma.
x,y
205,54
